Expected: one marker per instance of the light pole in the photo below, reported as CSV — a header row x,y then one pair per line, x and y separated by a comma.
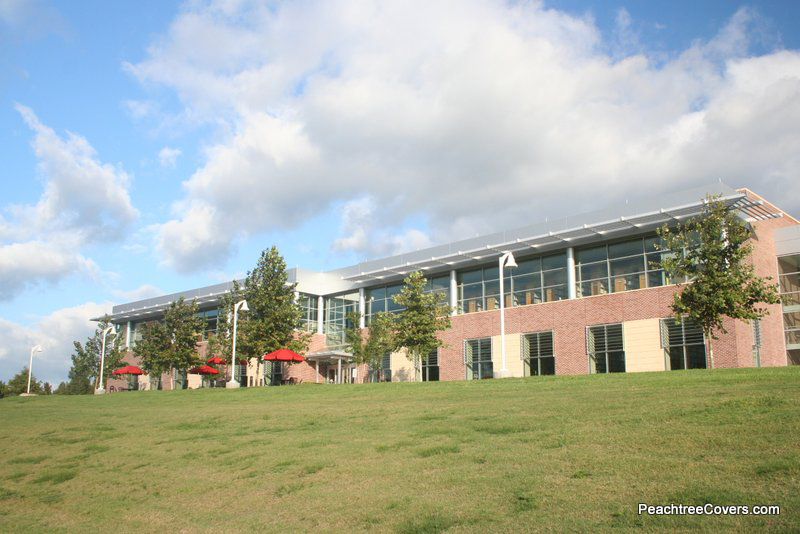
x,y
100,390
37,348
506,260
241,305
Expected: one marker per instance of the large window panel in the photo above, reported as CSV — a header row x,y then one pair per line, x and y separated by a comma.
x,y
478,358
616,267
537,354
683,343
605,348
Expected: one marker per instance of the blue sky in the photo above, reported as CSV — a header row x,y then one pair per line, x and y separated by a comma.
x,y
154,146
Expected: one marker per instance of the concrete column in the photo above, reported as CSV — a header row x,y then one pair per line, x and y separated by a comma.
x,y
362,309
316,368
339,371
320,315
128,335
453,293
571,273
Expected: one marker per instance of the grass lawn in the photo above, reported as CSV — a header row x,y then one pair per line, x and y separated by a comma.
x,y
550,453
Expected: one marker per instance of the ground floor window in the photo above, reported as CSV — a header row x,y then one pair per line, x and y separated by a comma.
x,y
273,373
537,354
430,367
684,344
605,348
384,373
478,358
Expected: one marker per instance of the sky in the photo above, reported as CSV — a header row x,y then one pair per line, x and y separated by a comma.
x,y
150,147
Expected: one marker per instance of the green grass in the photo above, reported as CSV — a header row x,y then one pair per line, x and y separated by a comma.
x,y
550,453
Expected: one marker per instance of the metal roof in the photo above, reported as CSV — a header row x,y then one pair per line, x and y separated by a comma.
x,y
550,235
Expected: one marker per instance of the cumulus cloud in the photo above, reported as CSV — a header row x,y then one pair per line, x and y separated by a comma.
x,y
55,333
84,201
167,156
473,116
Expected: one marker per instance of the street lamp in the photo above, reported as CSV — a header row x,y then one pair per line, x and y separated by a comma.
x,y
506,260
37,348
100,390
241,305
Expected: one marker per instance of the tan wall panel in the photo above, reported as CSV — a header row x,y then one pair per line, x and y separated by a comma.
x,y
513,362
402,368
643,350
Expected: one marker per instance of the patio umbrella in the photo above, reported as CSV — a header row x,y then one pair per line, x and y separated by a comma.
x,y
216,360
204,370
283,355
128,370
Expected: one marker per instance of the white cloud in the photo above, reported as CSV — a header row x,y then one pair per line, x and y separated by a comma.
x,y
56,333
472,115
167,156
84,202
144,291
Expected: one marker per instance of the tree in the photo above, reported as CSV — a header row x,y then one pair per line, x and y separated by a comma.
x,y
172,345
83,375
273,321
381,339
220,344
712,253
424,315
19,384
48,388
3,389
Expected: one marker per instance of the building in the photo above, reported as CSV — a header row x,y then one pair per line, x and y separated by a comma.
x,y
587,296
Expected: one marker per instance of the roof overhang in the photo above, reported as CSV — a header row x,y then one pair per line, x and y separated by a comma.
x,y
328,355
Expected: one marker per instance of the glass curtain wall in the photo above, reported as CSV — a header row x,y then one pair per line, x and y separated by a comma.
x,y
605,348
683,343
308,306
210,318
789,271
534,280
615,267
381,299
478,358
336,322
537,354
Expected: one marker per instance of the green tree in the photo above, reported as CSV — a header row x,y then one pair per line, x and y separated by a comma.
x,y
273,321
220,344
711,252
19,384
3,389
83,374
172,345
425,315
48,388
379,340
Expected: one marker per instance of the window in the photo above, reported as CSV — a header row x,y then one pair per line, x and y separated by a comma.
x,y
136,333
430,367
384,374
684,344
789,271
478,358
308,306
441,286
615,267
273,373
336,322
381,299
537,354
605,348
210,318
534,280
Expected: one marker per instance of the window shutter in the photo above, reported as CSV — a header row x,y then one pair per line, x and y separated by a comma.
x,y
613,337
525,353
468,349
545,344
692,333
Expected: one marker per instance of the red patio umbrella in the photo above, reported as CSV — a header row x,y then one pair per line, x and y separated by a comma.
x,y
283,355
203,370
128,370
216,360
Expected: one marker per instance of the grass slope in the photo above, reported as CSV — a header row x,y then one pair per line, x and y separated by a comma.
x,y
550,453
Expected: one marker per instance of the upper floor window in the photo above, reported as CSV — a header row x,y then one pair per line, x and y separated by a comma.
x,y
615,267
210,317
308,306
534,280
336,321
381,299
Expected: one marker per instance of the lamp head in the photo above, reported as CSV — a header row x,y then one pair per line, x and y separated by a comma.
x,y
510,262
37,348
243,305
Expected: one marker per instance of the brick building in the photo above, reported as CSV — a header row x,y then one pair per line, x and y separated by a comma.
x,y
586,296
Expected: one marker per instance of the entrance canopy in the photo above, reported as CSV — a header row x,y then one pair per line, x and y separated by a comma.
x,y
330,357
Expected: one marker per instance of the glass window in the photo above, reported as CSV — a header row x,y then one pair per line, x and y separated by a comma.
x,y
308,308
588,255
478,358
683,343
537,354
626,248
430,367
605,348
336,322
627,267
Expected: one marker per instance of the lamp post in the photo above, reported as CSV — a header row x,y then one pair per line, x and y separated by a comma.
x,y
241,305
100,390
37,348
506,260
